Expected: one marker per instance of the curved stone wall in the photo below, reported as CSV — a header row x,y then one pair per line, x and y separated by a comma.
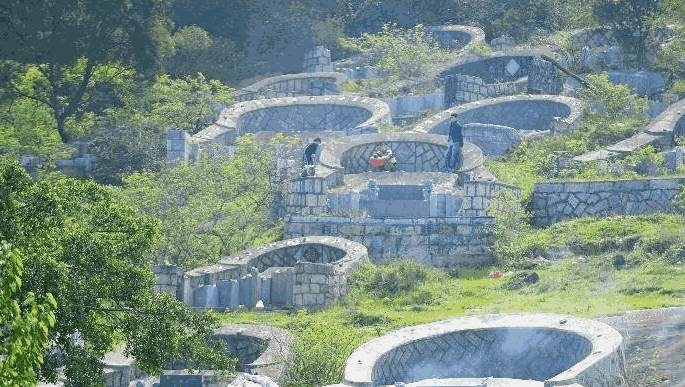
x,y
348,114
497,139
523,112
415,152
493,68
663,130
303,272
554,349
292,85
456,36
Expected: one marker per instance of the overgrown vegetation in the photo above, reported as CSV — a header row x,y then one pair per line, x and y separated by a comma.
x,y
213,207
402,53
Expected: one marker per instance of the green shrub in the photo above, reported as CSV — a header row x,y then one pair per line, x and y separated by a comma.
x,y
512,224
392,279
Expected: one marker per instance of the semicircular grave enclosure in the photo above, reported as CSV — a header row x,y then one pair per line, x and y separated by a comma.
x,y
259,349
497,125
415,152
496,68
304,272
543,348
292,85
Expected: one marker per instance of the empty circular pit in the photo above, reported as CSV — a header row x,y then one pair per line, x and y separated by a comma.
x,y
304,272
526,348
455,36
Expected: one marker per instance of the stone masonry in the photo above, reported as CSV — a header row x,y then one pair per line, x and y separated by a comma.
x,y
461,89
293,85
553,202
554,349
306,272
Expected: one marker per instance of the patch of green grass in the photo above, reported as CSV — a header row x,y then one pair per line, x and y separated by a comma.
x,y
588,284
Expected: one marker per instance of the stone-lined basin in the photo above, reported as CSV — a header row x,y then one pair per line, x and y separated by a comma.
x,y
549,348
455,36
291,85
521,112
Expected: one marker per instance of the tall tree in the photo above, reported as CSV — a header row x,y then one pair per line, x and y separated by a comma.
x,y
67,40
630,20
92,255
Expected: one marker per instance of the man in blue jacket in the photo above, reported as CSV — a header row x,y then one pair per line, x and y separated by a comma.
x,y
309,158
455,142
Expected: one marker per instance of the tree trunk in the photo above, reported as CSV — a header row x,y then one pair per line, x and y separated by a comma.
x,y
60,120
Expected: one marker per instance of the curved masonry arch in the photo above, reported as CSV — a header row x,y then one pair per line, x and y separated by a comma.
x,y
498,124
662,130
547,348
306,272
351,115
291,85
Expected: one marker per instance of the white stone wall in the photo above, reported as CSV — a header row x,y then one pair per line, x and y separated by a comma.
x,y
553,202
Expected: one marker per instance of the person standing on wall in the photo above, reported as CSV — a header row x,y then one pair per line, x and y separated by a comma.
x,y
454,157
310,157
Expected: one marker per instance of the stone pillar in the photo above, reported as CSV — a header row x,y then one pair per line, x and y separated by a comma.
x,y
318,60
178,146
168,280
308,196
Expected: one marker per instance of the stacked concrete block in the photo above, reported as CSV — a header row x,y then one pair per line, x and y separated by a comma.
x,y
178,146
318,60
479,194
553,202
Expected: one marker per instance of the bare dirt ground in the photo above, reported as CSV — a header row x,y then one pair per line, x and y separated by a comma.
x,y
654,343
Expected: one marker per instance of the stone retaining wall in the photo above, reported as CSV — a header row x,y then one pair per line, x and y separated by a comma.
x,y
437,242
497,139
526,112
461,89
168,279
293,85
554,349
305,272
553,202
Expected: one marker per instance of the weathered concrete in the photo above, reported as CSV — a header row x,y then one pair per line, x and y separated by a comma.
x,y
456,36
554,349
553,202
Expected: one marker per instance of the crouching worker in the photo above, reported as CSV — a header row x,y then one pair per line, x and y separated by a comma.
x,y
310,158
454,157
382,159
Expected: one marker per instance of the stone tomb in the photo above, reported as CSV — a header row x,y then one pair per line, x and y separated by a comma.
x,y
303,272
526,349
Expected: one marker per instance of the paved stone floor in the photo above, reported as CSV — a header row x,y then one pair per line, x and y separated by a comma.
x,y
654,346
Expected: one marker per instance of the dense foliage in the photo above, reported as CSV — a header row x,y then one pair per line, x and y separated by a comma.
x,y
214,207
92,255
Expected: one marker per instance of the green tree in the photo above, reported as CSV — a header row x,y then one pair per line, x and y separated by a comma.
x,y
67,42
630,20
132,137
93,255
23,325
213,207
403,53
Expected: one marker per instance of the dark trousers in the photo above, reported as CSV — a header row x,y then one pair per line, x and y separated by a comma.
x,y
453,158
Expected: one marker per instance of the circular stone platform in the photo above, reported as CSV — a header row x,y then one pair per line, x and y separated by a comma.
x,y
549,348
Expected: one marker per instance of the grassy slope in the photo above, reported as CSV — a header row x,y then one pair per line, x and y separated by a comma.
x,y
584,284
